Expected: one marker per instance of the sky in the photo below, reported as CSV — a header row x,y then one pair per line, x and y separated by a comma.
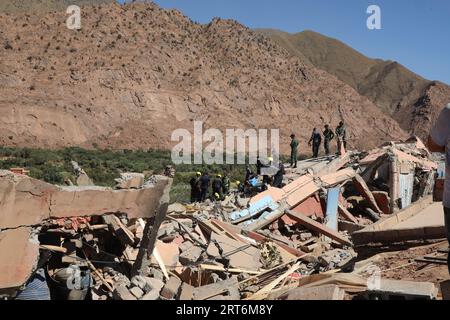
x,y
416,33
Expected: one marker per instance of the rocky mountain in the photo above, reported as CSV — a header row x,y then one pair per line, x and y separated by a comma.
x,y
389,85
136,72
31,6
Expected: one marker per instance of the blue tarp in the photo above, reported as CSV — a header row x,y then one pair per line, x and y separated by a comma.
x,y
259,206
332,208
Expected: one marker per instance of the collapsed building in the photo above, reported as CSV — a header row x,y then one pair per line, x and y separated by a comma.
x,y
297,242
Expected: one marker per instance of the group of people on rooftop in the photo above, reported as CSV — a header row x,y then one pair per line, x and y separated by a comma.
x,y
316,141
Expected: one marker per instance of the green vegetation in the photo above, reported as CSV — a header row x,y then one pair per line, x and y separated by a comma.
x,y
103,166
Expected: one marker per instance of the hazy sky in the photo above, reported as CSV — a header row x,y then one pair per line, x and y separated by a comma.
x,y
415,33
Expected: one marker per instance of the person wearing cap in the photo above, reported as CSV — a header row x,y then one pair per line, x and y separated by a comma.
x,y
315,142
328,135
195,187
217,186
294,151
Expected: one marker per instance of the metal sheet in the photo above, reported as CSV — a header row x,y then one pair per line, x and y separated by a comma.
x,y
406,189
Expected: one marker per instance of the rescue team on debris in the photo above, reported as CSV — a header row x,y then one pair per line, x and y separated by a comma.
x,y
294,233
220,186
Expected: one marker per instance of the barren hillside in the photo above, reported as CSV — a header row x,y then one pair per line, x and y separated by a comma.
x,y
388,84
16,6
134,73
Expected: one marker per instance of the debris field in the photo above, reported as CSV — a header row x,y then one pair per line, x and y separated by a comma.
x,y
319,237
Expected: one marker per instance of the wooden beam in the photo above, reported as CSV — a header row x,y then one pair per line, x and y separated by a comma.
x,y
318,227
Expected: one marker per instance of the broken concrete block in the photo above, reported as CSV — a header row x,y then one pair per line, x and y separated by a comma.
x,y
152,295
84,180
155,273
176,208
130,180
169,254
171,288
186,246
191,256
154,284
388,289
220,288
27,201
326,292
18,257
140,282
246,258
137,292
186,292
122,293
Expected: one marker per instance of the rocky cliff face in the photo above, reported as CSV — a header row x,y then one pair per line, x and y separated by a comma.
x,y
393,88
134,73
421,115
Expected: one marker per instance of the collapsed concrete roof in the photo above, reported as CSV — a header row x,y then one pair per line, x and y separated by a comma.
x,y
26,202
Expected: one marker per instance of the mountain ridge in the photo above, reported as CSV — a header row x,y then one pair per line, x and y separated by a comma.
x,y
392,87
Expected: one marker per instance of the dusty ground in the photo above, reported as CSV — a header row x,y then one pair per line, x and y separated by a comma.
x,y
397,262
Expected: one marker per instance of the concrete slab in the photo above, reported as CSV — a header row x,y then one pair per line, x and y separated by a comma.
x,y
428,217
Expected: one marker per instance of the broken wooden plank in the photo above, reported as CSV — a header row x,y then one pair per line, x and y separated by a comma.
x,y
364,190
347,215
318,227
120,230
230,270
264,292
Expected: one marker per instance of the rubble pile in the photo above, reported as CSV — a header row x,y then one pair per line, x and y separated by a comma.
x,y
294,242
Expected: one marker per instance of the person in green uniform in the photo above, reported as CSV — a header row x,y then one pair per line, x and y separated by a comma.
x,y
294,151
226,185
328,135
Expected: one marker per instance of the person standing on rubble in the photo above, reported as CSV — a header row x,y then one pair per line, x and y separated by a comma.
x,y
315,142
204,186
294,151
217,187
195,187
439,141
328,135
278,178
259,166
341,135
226,184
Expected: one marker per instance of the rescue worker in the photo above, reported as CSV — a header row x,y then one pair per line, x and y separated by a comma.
x,y
259,165
328,135
266,177
226,183
278,178
315,142
204,186
341,136
294,151
195,188
248,174
217,186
